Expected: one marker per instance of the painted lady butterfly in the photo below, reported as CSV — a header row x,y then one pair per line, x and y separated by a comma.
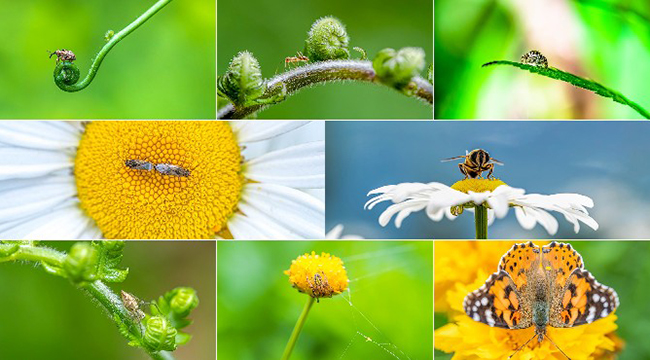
x,y
540,288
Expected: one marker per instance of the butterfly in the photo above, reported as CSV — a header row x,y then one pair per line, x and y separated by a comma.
x,y
540,288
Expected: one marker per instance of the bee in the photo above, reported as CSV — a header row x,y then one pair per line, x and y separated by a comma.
x,y
534,58
295,59
63,55
138,164
173,170
476,161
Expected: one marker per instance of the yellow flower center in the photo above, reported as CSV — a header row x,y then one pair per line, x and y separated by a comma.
x,y
318,275
477,185
131,203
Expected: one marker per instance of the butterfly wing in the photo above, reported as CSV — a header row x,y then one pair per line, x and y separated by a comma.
x,y
521,262
498,303
577,297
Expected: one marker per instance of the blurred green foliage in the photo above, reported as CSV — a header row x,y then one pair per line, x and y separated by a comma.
x,y
390,284
623,266
605,40
46,317
164,69
273,32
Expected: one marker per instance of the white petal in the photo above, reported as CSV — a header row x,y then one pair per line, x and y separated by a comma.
x,y
301,166
292,208
242,228
37,135
270,228
257,130
335,233
27,163
25,201
65,223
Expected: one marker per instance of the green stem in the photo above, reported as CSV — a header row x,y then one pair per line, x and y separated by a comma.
x,y
481,220
324,72
97,289
296,330
62,76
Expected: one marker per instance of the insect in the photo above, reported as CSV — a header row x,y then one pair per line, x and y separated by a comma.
x,y
476,161
173,170
63,55
319,286
295,59
133,306
534,58
138,164
543,288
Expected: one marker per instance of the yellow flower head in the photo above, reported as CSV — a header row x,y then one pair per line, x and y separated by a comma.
x,y
477,185
469,339
318,275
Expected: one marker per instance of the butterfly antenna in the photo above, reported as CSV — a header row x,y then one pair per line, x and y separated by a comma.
x,y
522,346
563,353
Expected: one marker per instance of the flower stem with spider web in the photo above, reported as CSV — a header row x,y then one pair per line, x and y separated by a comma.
x,y
481,220
296,330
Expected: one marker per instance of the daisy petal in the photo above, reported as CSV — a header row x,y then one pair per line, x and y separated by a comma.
x,y
252,131
301,166
26,201
60,224
37,135
29,163
294,209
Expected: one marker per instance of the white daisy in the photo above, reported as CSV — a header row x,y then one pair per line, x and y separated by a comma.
x,y
69,180
439,200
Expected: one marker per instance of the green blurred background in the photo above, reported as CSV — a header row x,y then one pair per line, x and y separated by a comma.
x,y
273,31
45,317
623,266
605,40
390,284
164,69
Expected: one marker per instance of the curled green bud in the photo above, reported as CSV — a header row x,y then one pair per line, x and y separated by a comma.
x,y
81,263
430,74
66,73
242,82
327,40
396,68
183,300
159,335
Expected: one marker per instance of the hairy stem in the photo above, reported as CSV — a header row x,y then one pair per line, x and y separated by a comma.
x,y
296,330
323,72
109,45
481,220
97,289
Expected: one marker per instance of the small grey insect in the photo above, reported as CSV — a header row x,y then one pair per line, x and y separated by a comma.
x,y
534,58
173,170
138,164
63,55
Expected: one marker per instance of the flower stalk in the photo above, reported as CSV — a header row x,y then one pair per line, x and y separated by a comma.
x,y
66,73
296,330
481,219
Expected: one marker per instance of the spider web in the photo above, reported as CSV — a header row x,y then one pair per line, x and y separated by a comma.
x,y
373,336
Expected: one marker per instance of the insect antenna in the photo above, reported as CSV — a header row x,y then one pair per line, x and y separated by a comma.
x,y
454,158
522,346
496,161
549,339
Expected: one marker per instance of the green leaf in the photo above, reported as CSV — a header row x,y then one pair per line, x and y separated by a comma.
x,y
575,80
110,256
7,250
182,338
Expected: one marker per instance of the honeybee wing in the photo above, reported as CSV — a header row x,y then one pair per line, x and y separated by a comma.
x,y
454,158
496,161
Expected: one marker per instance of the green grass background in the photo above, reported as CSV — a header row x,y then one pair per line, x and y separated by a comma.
x,y
164,69
624,266
391,284
273,31
46,317
614,50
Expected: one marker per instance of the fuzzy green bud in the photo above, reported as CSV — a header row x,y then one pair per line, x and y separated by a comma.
x,y
396,68
243,80
81,263
327,40
109,35
183,301
159,334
